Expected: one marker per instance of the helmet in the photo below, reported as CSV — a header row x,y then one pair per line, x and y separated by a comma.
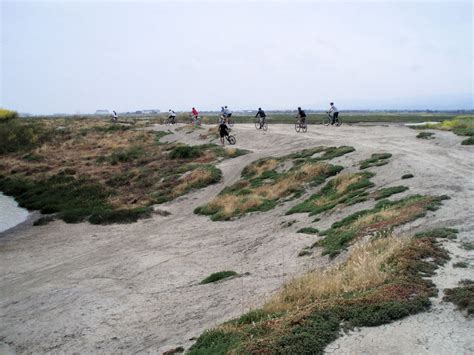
x,y
259,108
226,107
331,103
299,108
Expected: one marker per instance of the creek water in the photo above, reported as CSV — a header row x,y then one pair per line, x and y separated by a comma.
x,y
10,213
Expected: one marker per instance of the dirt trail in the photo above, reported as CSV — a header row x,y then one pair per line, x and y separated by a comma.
x,y
135,288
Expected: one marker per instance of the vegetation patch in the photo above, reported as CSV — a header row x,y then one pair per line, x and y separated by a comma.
x,y
425,135
389,191
467,246
461,264
308,230
461,125
218,276
267,181
407,176
386,214
377,159
462,296
381,281
344,189
89,169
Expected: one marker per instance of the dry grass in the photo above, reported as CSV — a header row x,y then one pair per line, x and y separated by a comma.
x,y
256,169
362,271
188,181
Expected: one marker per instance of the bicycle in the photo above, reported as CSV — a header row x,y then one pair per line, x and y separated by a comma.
x,y
170,120
301,126
328,119
195,120
231,139
263,126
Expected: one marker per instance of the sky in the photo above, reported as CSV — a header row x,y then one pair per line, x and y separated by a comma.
x,y
80,56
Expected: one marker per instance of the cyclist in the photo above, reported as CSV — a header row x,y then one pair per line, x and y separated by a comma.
x,y
223,130
262,116
195,114
227,113
302,116
114,116
171,116
333,113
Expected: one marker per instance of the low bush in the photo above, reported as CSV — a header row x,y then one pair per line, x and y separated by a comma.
x,y
462,296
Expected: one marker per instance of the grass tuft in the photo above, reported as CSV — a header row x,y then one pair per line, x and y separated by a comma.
x,y
425,135
377,159
218,276
308,230
407,176
389,191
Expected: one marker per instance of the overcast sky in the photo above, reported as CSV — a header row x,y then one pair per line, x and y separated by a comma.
x,y
81,56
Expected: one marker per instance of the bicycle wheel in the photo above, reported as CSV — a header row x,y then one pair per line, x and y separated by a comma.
x,y
338,122
257,125
326,121
231,139
304,128
297,126
265,126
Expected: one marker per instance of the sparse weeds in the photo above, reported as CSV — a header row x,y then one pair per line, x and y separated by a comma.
x,y
462,296
461,264
377,159
266,181
381,281
467,246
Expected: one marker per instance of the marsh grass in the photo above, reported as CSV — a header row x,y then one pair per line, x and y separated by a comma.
x,y
386,214
267,181
344,189
377,159
381,281
89,169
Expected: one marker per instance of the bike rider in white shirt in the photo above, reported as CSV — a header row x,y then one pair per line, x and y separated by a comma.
x,y
333,112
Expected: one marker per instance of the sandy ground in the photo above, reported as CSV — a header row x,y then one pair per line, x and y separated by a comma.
x,y
135,288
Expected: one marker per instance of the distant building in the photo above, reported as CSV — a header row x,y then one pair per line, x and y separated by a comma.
x,y
102,112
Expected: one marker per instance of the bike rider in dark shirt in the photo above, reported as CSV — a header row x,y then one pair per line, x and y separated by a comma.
x,y
223,130
262,115
302,116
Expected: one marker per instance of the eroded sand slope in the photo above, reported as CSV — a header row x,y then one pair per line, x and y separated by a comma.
x,y
135,288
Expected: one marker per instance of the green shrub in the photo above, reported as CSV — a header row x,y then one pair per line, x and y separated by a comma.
x,y
215,342
308,230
